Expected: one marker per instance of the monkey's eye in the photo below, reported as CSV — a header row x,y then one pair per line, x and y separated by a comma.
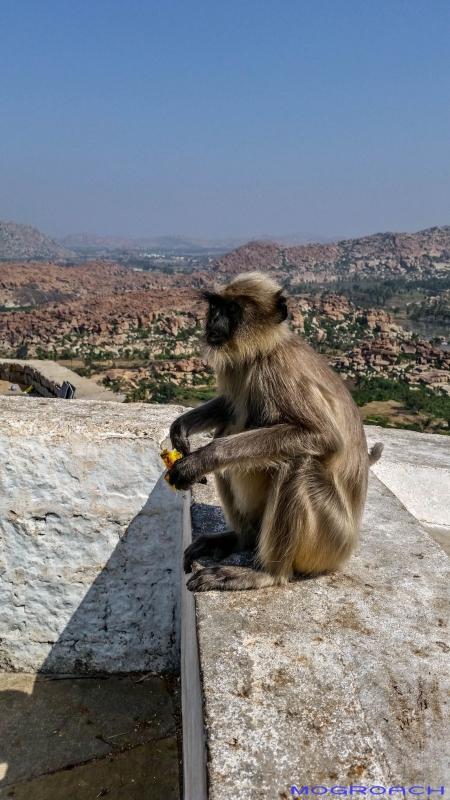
x,y
233,308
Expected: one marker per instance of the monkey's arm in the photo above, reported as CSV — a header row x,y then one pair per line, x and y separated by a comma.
x,y
264,446
206,417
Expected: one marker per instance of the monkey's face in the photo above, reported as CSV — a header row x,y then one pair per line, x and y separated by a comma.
x,y
243,317
222,320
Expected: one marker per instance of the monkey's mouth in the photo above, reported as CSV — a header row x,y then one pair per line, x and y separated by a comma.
x,y
215,339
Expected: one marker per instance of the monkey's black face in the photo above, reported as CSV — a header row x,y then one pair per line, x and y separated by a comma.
x,y
222,320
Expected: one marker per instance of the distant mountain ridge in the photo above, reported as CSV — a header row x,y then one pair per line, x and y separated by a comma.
x,y
164,244
380,256
377,257
176,244
25,243
20,242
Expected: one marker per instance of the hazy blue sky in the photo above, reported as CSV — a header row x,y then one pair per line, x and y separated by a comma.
x,y
222,118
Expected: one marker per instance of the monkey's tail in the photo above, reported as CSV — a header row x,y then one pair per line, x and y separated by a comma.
x,y
375,453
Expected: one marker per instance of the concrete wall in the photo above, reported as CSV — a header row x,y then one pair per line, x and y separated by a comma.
x,y
90,538
27,375
48,376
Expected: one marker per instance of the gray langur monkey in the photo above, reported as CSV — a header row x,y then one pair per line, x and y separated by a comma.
x,y
289,453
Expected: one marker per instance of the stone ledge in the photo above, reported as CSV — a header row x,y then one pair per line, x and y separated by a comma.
x,y
91,420
339,680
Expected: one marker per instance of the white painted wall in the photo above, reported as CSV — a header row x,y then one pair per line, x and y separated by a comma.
x,y
90,538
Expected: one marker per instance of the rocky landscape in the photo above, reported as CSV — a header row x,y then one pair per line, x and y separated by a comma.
x,y
383,255
139,332
23,284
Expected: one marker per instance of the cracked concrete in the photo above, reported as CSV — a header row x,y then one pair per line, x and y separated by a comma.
x,y
69,738
148,771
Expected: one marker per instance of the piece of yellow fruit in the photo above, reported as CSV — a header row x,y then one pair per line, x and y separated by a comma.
x,y
169,457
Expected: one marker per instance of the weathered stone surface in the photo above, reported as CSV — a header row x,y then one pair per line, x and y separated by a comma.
x,y
64,722
440,534
416,467
90,538
148,771
338,680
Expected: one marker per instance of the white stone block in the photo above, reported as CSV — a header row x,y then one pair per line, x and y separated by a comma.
x,y
90,538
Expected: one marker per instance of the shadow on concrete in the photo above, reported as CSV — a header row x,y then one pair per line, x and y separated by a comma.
x,y
127,622
129,618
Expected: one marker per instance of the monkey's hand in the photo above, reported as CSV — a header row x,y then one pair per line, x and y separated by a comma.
x,y
184,473
178,437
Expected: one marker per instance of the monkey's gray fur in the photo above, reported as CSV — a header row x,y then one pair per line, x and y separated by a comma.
x,y
289,452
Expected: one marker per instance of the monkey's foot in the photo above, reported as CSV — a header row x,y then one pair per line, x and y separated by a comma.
x,y
232,579
218,547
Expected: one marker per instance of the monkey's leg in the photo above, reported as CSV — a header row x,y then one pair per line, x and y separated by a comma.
x,y
219,546
310,526
232,579
245,524
243,535
289,528
247,528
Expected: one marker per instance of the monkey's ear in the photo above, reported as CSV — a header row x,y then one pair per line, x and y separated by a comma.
x,y
205,295
281,307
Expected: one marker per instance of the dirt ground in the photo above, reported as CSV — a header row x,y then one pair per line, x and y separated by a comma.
x,y
68,738
390,409
4,388
398,416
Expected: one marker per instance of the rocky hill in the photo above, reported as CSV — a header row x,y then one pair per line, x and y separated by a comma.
x,y
99,320
25,243
24,284
381,256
